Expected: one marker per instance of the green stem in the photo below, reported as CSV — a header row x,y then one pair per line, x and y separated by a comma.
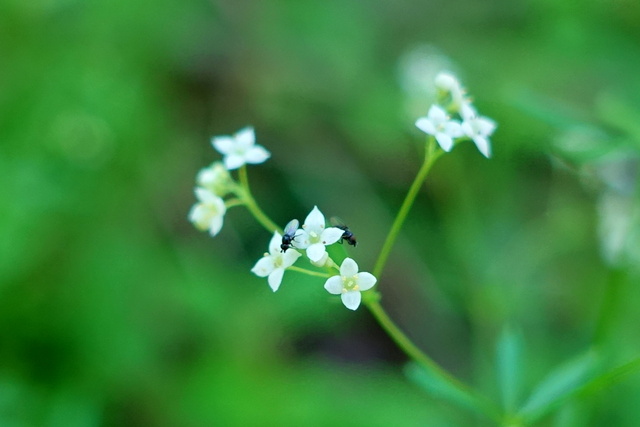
x,y
426,362
431,156
233,202
251,204
372,301
309,272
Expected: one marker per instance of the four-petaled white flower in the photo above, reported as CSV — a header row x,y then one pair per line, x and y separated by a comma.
x,y
240,149
479,129
314,236
215,178
350,283
209,212
438,124
275,262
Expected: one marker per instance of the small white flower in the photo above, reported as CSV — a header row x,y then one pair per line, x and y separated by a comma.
x,y
449,86
215,178
479,129
275,262
314,236
350,283
438,124
209,212
240,149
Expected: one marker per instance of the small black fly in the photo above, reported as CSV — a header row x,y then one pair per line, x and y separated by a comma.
x,y
347,235
289,235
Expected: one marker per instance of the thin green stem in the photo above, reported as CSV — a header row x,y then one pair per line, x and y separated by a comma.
x,y
233,202
426,362
372,300
431,156
251,204
308,272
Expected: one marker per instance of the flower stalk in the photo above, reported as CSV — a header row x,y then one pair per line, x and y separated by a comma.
x,y
251,204
432,154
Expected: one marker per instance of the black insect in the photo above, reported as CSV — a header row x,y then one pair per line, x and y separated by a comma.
x,y
289,235
347,235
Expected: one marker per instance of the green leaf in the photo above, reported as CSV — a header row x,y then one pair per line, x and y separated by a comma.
x,y
560,384
509,366
436,386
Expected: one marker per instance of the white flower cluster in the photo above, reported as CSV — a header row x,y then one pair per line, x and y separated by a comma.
x,y
450,120
313,237
215,182
454,118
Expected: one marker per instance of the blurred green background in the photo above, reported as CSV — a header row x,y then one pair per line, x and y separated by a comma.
x,y
115,311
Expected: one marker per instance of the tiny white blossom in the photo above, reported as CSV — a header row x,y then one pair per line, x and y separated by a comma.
x,y
275,262
479,129
438,124
448,85
215,178
209,212
240,149
350,283
314,236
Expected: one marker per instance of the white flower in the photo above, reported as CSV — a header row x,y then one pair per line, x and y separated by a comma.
x,y
209,212
215,178
479,129
350,283
275,262
449,86
314,236
438,124
240,149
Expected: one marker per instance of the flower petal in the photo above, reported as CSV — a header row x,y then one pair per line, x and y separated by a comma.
x,y
290,257
351,299
445,141
316,251
275,278
224,144
334,285
331,235
215,225
366,281
314,221
453,129
205,195
322,261
467,111
425,125
256,155
348,268
483,145
264,266
485,126
199,216
437,114
233,161
274,243
301,240
245,137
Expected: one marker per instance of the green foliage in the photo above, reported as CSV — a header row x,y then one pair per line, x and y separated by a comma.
x,y
115,311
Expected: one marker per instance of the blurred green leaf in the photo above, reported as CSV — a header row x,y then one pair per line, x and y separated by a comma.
x,y
560,384
437,387
509,366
